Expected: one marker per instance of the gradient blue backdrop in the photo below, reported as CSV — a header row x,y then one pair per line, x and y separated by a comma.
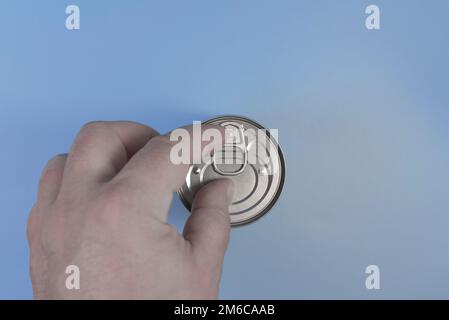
x,y
363,119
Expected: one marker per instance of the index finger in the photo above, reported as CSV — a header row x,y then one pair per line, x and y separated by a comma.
x,y
161,166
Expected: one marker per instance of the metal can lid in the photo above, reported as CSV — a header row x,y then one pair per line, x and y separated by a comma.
x,y
252,158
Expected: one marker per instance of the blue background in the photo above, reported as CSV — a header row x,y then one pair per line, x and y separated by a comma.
x,y
363,119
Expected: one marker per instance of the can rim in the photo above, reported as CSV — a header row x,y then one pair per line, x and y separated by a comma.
x,y
281,180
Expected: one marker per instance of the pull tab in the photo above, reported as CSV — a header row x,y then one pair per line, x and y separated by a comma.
x,y
232,159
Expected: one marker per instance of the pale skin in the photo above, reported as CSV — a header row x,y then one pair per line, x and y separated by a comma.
x,y
103,207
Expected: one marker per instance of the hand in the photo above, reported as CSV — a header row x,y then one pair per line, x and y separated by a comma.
x,y
103,207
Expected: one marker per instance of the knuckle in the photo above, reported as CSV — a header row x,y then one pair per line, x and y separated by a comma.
x,y
162,140
216,212
92,126
218,225
50,170
90,129
85,137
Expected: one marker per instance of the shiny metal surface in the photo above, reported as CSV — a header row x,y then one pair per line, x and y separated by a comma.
x,y
252,159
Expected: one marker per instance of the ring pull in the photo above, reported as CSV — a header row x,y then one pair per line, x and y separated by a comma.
x,y
232,159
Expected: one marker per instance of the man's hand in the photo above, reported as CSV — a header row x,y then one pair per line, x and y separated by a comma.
x,y
103,207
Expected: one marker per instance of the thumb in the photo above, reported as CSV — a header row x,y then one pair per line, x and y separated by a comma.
x,y
208,227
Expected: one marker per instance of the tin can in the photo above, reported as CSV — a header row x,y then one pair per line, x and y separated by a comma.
x,y
252,158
